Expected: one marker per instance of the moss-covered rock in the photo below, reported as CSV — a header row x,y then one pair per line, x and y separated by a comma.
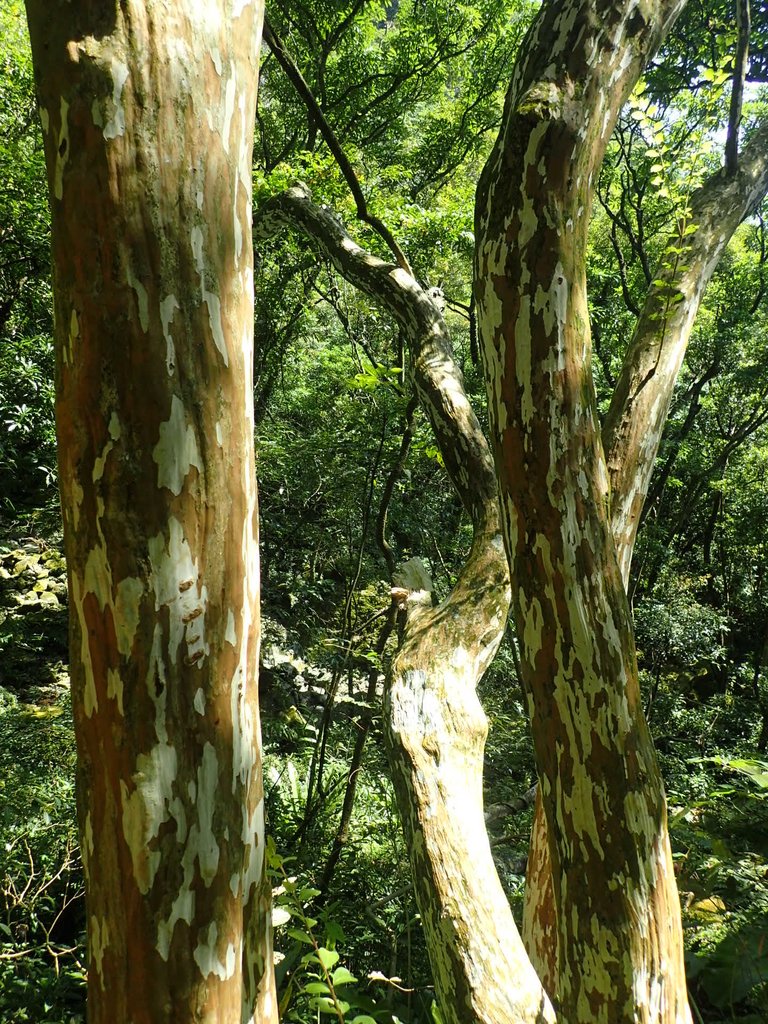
x,y
33,617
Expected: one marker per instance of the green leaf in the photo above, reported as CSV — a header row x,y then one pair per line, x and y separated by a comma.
x,y
736,966
307,893
300,936
328,957
756,770
334,932
326,1005
341,976
315,988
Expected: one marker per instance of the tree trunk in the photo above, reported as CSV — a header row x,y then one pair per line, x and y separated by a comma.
x,y
638,412
619,936
436,731
435,725
147,113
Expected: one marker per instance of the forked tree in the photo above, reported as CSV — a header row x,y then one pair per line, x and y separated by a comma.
x,y
147,115
435,725
623,962
616,921
147,111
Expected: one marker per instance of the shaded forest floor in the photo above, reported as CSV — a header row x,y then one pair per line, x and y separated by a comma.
x,y
718,798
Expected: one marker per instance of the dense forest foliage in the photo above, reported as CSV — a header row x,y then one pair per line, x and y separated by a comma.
x,y
352,483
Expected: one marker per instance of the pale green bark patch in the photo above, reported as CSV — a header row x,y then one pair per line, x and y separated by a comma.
x,y
168,306
127,600
98,941
211,300
115,688
72,338
62,150
146,808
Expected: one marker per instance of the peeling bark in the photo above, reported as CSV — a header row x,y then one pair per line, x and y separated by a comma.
x,y
437,730
618,930
636,418
436,727
147,114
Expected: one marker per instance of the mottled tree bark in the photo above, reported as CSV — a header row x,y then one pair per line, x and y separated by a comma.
x,y
435,725
617,916
636,417
147,113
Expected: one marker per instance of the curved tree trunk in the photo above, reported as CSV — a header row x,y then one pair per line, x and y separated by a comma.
x,y
437,730
635,423
619,936
435,725
148,113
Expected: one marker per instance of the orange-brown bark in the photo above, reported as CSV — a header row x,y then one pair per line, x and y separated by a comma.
x,y
147,113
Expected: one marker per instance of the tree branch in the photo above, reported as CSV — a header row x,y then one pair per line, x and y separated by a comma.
x,y
638,410
290,68
438,380
743,25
